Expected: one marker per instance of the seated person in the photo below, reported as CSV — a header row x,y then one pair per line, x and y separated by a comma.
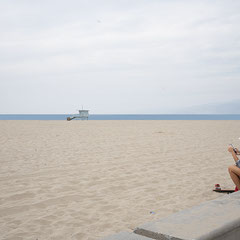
x,y
234,170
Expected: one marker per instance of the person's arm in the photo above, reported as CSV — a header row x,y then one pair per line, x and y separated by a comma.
x,y
230,149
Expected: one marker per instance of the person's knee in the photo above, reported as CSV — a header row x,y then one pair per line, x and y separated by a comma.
x,y
230,168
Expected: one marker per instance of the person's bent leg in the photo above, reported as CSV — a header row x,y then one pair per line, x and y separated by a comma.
x,y
234,172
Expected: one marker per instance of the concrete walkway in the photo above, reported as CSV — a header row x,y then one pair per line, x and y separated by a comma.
x,y
218,219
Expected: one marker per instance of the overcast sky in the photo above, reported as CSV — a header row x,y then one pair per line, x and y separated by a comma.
x,y
125,56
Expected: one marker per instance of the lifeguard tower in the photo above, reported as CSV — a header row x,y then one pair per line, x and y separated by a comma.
x,y
83,115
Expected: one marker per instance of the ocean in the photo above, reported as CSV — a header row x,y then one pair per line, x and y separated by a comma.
x,y
123,117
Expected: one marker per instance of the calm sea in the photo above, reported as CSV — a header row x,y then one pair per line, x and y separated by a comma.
x,y
123,116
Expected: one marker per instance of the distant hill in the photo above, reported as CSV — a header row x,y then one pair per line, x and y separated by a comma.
x,y
232,107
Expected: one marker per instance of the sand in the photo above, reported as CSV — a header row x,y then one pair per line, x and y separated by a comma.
x,y
88,179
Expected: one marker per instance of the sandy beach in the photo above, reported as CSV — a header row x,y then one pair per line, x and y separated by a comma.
x,y
88,179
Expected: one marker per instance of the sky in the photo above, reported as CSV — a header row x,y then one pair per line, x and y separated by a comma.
x,y
125,56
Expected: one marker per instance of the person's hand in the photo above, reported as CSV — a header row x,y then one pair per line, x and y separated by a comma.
x,y
230,149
